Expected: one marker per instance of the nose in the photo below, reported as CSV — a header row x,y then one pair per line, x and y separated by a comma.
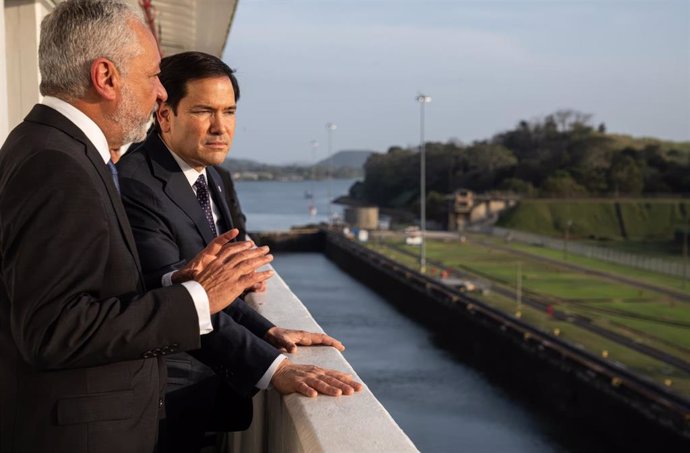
x,y
216,126
161,94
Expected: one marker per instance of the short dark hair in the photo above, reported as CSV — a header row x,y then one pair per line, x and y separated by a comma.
x,y
178,69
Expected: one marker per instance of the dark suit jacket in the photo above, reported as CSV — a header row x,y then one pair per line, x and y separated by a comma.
x,y
239,220
79,339
170,228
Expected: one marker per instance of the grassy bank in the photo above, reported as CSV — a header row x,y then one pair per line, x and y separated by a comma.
x,y
600,219
643,316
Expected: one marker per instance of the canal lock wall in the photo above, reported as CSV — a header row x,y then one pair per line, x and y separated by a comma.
x,y
540,370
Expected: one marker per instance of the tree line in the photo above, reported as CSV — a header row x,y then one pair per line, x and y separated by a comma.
x,y
560,155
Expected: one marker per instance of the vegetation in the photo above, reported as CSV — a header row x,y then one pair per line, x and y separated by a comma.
x,y
641,315
561,155
625,219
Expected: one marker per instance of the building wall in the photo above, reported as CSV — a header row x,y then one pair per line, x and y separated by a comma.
x,y
3,77
22,19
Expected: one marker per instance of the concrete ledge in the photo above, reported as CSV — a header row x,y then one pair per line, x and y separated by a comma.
x,y
296,424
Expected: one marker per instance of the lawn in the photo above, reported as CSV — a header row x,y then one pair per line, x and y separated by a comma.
x,y
641,315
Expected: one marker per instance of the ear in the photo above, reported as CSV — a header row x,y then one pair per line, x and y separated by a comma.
x,y
163,115
105,78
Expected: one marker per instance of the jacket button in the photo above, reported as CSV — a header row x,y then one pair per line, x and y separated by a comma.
x,y
160,403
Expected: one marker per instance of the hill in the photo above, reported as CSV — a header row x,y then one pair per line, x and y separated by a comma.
x,y
347,158
612,219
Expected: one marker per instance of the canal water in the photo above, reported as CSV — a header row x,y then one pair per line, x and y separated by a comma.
x,y
442,404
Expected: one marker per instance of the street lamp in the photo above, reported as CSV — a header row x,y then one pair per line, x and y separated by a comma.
x,y
330,127
423,100
312,203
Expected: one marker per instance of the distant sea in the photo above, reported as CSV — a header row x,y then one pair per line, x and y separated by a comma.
x,y
278,205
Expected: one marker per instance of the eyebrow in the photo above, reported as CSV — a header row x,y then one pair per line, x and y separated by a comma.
x,y
206,106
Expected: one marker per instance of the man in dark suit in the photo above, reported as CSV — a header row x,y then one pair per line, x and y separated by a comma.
x,y
174,197
80,341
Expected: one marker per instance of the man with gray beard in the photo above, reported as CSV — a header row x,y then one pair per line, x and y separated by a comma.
x,y
81,342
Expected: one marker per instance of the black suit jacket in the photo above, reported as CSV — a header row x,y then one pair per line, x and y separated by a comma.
x,y
239,220
170,228
79,339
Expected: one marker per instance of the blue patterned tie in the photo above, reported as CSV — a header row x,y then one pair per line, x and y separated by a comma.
x,y
113,171
205,202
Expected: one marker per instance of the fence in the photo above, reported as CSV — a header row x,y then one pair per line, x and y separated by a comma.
x,y
658,265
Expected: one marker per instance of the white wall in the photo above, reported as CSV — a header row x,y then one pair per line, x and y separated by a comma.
x,y
4,123
20,77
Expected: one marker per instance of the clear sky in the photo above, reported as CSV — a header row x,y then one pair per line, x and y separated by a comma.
x,y
486,64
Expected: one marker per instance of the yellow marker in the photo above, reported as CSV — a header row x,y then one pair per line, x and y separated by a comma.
x,y
604,354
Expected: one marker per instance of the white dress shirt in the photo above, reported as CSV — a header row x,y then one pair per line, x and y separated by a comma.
x,y
98,140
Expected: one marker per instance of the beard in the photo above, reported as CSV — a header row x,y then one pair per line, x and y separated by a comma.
x,y
133,125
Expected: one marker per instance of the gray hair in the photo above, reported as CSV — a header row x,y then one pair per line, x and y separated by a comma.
x,y
76,33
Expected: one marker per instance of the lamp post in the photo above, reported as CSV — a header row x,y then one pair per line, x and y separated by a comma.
x,y
330,127
685,247
312,203
423,100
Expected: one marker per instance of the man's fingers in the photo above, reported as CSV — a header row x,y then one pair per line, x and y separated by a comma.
x,y
345,379
305,390
256,277
217,243
232,255
322,339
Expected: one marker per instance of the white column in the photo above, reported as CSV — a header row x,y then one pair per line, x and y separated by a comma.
x,y
22,28
4,121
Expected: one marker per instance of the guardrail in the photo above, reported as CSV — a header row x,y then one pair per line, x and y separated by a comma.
x,y
296,424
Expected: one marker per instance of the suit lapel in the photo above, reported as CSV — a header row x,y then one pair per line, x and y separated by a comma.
x,y
175,185
50,117
215,183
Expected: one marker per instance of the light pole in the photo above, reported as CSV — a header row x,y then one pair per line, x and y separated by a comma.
x,y
685,247
312,203
423,100
330,127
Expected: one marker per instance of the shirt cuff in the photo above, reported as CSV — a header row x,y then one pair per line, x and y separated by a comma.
x,y
166,280
265,380
203,310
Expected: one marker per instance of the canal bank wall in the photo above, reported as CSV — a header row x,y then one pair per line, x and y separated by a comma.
x,y
624,410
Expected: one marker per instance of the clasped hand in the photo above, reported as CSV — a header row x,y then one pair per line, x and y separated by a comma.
x,y
226,269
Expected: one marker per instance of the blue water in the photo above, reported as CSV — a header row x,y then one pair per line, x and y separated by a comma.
x,y
278,205
443,405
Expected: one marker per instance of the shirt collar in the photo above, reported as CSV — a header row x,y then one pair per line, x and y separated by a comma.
x,y
83,122
190,173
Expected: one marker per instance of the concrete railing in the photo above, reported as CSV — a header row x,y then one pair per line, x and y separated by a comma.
x,y
297,424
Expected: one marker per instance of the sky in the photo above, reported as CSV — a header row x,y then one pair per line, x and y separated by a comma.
x,y
486,64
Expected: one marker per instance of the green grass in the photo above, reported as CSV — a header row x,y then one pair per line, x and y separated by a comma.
x,y
640,219
662,280
577,294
